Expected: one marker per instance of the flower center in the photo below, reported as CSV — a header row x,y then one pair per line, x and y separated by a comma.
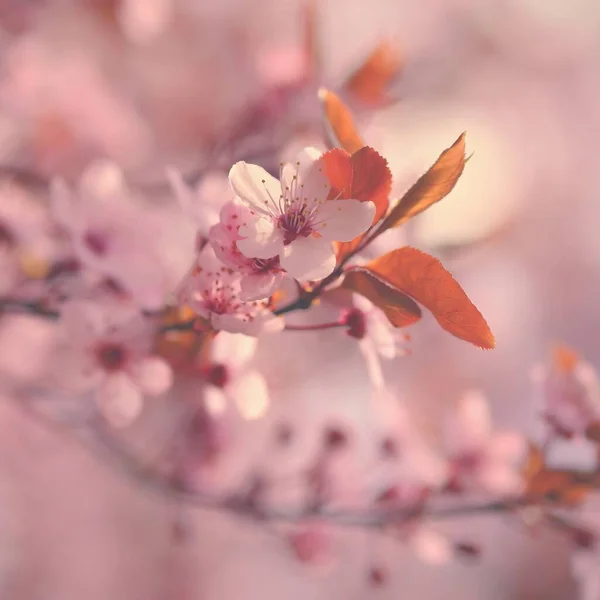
x,y
217,374
295,223
111,356
95,242
266,265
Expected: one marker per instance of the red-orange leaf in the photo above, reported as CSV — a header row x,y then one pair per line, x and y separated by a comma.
x,y
369,83
399,308
430,188
423,278
339,124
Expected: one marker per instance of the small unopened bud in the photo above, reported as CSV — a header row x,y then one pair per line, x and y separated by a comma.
x,y
377,576
355,320
467,549
335,438
389,447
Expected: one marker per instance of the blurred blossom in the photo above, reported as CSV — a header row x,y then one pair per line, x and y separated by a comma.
x,y
106,350
143,20
116,237
482,460
568,394
236,378
203,205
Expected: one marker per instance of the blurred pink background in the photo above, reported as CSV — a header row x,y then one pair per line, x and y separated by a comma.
x,y
151,83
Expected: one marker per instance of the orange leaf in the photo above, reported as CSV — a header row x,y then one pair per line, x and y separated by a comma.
x,y
398,307
369,83
339,124
430,188
423,278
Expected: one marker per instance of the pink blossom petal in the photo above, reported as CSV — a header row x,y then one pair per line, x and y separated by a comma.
x,y
308,259
262,239
431,547
152,375
61,204
185,196
509,447
311,545
470,427
256,287
119,400
373,363
343,220
102,179
254,186
83,321
233,349
382,333
501,479
250,394
310,174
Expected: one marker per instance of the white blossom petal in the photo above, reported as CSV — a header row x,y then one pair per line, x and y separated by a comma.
x,y
153,375
256,287
250,394
431,547
470,427
310,173
343,220
308,258
262,239
501,479
255,187
119,400
233,349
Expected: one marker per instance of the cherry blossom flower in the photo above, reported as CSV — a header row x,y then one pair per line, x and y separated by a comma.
x,y
260,276
481,460
377,337
214,292
293,218
116,237
568,394
105,349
